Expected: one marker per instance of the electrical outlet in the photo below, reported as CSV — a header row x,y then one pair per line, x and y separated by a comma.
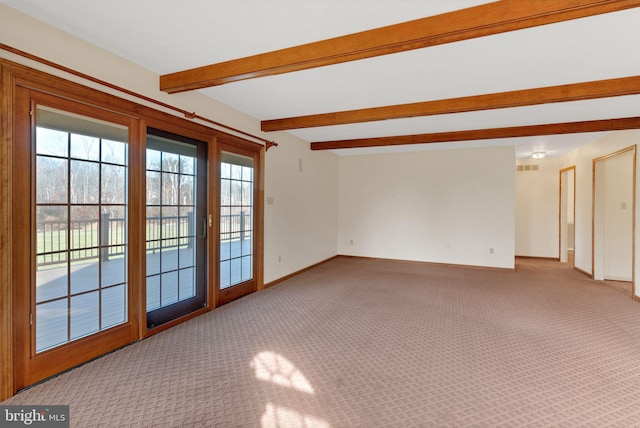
x,y
351,242
279,259
491,251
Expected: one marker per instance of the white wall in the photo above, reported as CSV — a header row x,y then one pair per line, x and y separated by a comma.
x,y
301,203
301,225
537,208
448,206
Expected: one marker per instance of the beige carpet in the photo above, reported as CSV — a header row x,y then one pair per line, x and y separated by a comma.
x,y
363,343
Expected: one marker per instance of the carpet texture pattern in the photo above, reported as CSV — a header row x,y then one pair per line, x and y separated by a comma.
x,y
369,343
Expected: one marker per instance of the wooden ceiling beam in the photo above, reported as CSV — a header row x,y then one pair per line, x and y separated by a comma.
x,y
485,134
484,20
520,98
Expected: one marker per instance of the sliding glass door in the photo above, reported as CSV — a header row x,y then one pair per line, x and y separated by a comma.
x,y
109,222
176,226
237,173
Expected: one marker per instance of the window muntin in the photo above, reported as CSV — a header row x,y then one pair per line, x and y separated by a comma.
x,y
236,219
80,226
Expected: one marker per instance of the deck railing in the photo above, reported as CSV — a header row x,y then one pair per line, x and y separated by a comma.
x,y
234,226
169,232
107,238
86,239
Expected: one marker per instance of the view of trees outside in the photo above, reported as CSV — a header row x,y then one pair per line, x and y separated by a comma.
x,y
171,204
81,231
80,180
170,196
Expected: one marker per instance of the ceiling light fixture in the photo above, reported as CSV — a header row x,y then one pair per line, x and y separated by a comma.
x,y
538,155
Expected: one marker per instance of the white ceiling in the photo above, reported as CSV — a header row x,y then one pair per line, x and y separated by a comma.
x,y
166,36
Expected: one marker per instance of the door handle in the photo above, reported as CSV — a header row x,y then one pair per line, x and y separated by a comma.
x,y
204,228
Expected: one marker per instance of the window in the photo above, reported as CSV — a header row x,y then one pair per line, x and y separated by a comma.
x,y
236,219
80,227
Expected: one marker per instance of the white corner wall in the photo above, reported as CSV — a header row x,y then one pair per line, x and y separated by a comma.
x,y
452,206
301,206
301,224
537,208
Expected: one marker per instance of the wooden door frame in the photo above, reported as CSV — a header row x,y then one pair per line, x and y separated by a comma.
x,y
6,236
30,366
594,162
256,152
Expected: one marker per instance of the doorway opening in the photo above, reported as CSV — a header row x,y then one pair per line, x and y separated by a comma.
x,y
567,215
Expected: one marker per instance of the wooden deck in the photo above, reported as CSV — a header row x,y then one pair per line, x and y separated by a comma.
x,y
91,309
238,268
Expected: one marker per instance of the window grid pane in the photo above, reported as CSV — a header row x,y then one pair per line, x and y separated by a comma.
x,y
236,224
80,235
170,228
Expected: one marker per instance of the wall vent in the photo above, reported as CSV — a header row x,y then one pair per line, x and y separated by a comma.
x,y
527,167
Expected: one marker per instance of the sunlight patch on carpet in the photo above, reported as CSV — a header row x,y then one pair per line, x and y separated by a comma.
x,y
272,367
282,417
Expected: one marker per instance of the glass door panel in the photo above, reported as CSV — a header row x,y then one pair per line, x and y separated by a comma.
x,y
80,227
236,268
175,230
236,220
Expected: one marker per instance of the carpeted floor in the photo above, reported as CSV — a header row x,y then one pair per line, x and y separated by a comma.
x,y
364,343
